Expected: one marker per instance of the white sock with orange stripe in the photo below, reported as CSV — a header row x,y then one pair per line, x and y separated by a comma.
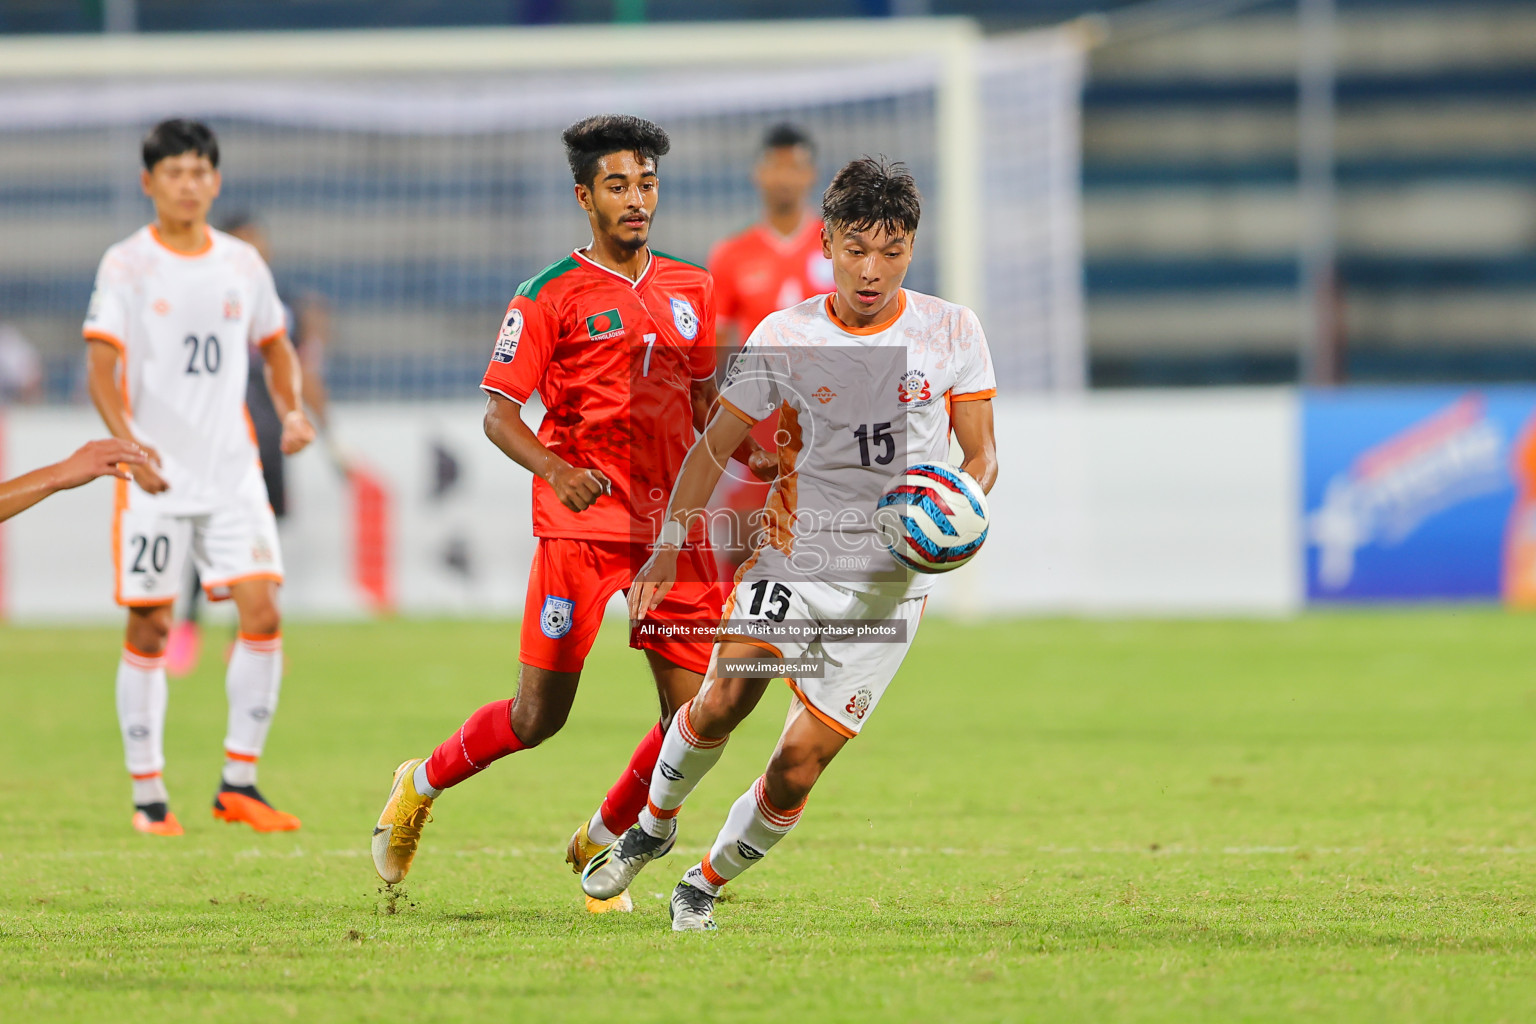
x,y
685,759
254,679
141,698
753,827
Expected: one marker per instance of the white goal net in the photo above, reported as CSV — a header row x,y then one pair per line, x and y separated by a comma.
x,y
414,179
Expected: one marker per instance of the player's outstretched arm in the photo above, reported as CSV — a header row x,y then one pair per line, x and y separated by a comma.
x,y
695,483
97,458
705,396
972,423
576,488
285,383
101,383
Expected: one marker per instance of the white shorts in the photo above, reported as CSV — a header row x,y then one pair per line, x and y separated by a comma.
x,y
856,671
233,543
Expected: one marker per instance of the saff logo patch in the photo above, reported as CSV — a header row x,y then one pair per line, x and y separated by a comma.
x,y
511,333
685,318
738,364
556,618
606,324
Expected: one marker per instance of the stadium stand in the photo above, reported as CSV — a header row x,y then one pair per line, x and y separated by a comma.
x,y
1190,197
1189,172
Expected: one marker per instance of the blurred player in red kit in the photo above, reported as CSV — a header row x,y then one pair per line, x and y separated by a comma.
x,y
619,341
770,266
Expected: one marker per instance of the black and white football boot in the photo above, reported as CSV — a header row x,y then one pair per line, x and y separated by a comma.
x,y
692,909
609,872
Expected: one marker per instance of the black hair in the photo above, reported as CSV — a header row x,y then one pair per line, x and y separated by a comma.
x,y
592,138
785,135
873,192
175,137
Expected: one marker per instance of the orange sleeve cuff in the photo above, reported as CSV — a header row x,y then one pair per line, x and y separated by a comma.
x,y
269,339
91,334
751,421
975,396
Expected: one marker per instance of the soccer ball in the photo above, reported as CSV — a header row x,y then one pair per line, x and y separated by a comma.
x,y
932,517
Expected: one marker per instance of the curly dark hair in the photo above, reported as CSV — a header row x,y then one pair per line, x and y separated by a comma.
x,y
592,138
873,192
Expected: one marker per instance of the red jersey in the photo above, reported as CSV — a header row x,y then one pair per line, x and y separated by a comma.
x,y
613,361
760,271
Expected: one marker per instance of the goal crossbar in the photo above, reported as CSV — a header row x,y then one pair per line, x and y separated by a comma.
x,y
951,42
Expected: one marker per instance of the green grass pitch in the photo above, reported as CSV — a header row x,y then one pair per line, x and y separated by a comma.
x,y
1327,819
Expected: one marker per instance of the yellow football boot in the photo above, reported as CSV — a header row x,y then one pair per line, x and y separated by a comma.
x,y
581,850
399,828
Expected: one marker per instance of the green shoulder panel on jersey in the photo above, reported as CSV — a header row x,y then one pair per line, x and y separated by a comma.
x,y
676,259
530,288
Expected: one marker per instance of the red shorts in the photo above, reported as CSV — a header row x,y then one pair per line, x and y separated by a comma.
x,y
572,581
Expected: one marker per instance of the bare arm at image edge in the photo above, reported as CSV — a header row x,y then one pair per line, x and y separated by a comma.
x,y
97,458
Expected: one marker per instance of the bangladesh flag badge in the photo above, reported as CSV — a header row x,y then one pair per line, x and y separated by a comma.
x,y
604,325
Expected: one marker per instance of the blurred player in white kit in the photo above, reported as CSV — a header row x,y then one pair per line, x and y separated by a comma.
x,y
175,307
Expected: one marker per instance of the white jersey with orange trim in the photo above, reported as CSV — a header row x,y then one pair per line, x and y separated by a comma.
x,y
855,407
182,324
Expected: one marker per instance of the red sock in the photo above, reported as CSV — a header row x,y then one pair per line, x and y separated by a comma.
x,y
484,737
621,807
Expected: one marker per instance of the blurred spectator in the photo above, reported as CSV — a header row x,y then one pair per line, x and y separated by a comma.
x,y
21,371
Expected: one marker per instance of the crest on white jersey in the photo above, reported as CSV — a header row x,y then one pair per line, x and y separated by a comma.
x,y
506,341
913,387
685,318
556,618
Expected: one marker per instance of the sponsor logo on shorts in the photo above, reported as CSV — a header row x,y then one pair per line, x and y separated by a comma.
x,y
685,318
261,552
668,772
748,852
511,333
858,705
823,394
556,618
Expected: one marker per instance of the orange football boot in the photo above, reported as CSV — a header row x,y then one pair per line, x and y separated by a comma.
x,y
155,820
245,803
